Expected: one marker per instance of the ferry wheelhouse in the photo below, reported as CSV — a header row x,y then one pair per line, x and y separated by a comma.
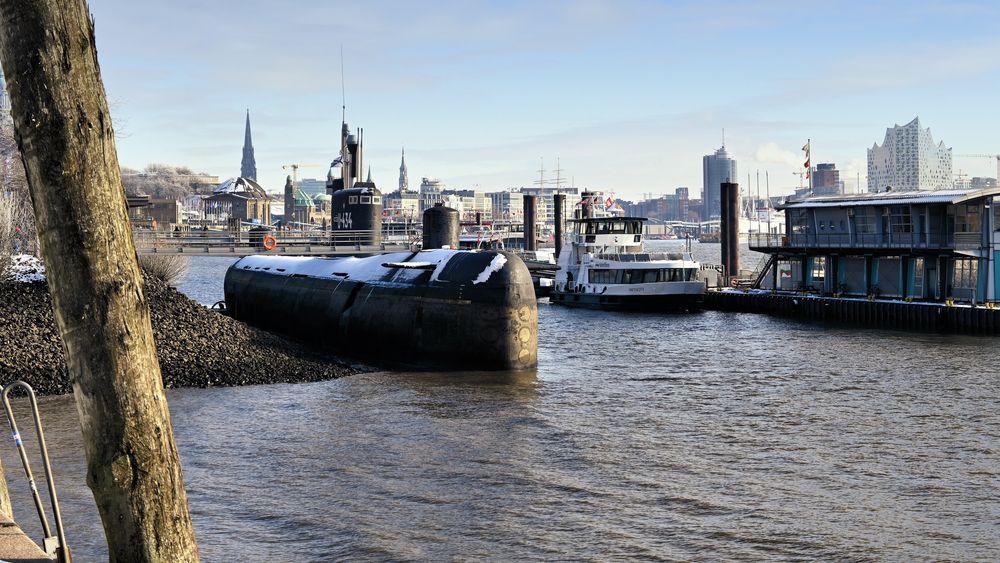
x,y
604,265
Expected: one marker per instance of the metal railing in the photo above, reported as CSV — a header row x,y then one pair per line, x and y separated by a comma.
x,y
54,545
246,242
943,241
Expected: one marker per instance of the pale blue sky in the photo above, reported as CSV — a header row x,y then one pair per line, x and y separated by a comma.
x,y
628,94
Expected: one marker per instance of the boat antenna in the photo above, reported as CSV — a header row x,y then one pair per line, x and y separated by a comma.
x,y
767,188
343,88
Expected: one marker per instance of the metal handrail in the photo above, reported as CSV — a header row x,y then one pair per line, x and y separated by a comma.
x,y
53,545
928,240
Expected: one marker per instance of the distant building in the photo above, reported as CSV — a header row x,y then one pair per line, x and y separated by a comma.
x,y
238,198
909,160
248,168
826,179
430,192
507,206
978,183
716,169
404,180
312,187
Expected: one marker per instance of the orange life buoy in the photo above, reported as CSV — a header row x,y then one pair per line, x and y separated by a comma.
x,y
270,242
734,282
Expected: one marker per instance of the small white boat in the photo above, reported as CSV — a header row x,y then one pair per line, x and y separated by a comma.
x,y
604,265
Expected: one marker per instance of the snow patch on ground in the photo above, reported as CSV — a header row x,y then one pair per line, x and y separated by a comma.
x,y
25,268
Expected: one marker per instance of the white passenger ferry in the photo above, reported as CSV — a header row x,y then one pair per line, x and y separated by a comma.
x,y
604,265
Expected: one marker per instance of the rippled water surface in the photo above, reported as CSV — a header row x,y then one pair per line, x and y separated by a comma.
x,y
697,436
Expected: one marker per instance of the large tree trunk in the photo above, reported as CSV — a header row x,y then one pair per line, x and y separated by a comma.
x,y
68,146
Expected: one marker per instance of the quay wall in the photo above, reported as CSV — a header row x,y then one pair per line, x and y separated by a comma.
x,y
875,313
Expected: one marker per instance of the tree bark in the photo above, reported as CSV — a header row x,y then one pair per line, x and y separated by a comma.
x,y
68,146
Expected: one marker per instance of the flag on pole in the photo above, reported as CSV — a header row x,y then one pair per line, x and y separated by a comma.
x,y
807,165
609,203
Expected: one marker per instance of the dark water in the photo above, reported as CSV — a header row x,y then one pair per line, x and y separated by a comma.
x,y
704,436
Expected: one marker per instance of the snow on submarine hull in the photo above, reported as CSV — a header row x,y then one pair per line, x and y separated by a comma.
x,y
450,309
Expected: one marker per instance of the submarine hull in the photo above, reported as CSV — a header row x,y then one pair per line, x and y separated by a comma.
x,y
440,308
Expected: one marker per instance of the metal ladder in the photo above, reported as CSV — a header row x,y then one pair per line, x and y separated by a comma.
x,y
53,545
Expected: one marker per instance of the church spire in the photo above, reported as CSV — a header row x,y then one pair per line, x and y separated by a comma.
x,y
404,182
248,169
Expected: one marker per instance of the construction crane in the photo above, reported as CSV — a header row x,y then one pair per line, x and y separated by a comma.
x,y
295,170
996,156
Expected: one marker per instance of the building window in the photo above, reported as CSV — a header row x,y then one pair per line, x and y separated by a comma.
x,y
900,220
968,219
864,221
800,221
966,274
819,269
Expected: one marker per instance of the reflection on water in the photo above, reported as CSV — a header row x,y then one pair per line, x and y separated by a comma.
x,y
709,435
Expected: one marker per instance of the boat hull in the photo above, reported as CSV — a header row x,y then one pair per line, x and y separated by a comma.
x,y
657,303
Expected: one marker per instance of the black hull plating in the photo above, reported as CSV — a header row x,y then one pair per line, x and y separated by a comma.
x,y
445,323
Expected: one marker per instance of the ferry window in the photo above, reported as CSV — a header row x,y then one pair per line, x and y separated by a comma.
x,y
605,228
366,199
591,228
618,276
352,200
600,276
618,228
996,214
626,276
692,274
377,200
649,276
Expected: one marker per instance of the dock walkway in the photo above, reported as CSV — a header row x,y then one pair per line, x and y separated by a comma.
x,y
17,547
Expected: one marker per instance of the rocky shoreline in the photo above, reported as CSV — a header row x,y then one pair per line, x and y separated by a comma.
x,y
197,347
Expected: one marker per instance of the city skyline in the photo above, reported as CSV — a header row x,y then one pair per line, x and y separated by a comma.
x,y
629,96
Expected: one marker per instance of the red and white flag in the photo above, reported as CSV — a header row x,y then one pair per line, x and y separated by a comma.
x,y
807,164
609,203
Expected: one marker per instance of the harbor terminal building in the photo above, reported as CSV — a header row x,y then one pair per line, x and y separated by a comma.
x,y
941,245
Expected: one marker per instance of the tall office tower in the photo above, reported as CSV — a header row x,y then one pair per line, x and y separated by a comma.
x,y
716,169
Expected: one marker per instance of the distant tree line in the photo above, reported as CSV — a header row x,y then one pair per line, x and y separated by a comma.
x,y
161,181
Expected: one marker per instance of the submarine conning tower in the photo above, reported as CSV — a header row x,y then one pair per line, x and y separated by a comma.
x,y
356,206
451,309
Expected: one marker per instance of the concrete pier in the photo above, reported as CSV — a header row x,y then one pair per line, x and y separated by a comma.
x,y
17,547
871,313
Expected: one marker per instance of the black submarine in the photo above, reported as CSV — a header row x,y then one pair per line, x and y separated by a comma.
x,y
435,308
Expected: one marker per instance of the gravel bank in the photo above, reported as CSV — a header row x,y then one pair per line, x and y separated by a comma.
x,y
196,347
